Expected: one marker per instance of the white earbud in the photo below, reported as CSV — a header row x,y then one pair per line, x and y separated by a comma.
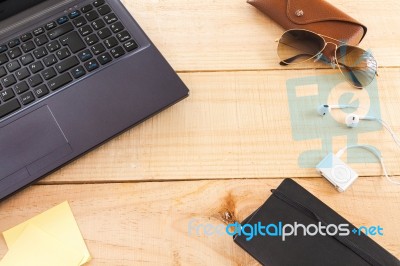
x,y
325,109
352,120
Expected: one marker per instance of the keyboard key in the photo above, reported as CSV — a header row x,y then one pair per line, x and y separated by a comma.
x,y
26,37
103,10
98,24
50,25
59,81
36,67
14,53
98,3
35,80
78,72
74,14
130,46
3,72
40,52
117,27
50,60
98,48
63,53
7,94
117,52
42,39
53,46
79,22
110,18
28,46
86,8
8,80
13,43
67,64
3,48
22,73
48,73
104,58
3,59
85,30
111,42
12,66
27,59
91,65
91,39
62,20
91,15
74,42
104,33
41,91
9,107
61,30
85,55
27,98
21,87
38,31
123,36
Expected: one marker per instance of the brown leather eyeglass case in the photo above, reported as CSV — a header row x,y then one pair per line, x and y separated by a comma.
x,y
318,16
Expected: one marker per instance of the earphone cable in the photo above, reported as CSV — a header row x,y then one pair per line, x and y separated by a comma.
x,y
395,138
374,151
390,130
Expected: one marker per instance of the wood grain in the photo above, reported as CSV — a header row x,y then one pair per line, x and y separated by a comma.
x,y
232,35
236,125
147,223
221,150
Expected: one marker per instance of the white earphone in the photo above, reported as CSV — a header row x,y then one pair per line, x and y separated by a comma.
x,y
352,121
325,109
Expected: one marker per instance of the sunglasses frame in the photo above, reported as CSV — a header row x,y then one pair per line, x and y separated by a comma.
x,y
334,62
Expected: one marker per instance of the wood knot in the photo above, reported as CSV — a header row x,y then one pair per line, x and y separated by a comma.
x,y
227,217
227,210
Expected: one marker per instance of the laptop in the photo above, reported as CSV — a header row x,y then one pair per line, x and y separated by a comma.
x,y
73,74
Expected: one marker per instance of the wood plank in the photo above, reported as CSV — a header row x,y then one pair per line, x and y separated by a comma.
x,y
236,125
147,223
232,35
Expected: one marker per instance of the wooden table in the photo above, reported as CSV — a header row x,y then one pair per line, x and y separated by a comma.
x,y
221,150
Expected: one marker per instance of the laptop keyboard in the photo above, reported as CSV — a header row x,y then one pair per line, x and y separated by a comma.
x,y
39,63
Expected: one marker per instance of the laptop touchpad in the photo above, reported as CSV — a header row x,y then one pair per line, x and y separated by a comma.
x,y
28,139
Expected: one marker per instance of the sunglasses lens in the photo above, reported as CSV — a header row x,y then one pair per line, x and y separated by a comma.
x,y
299,46
358,66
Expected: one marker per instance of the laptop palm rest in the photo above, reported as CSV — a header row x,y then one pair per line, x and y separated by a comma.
x,y
31,143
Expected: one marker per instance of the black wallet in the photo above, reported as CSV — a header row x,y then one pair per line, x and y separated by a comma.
x,y
289,204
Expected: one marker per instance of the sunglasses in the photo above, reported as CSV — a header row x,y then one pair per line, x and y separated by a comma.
x,y
358,66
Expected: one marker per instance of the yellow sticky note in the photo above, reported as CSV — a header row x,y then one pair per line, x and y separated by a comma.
x,y
37,248
58,222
